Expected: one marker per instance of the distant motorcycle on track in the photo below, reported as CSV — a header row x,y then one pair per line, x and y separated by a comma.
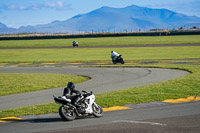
x,y
116,58
75,44
119,59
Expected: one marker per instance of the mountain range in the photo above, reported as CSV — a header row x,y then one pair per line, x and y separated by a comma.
x,y
108,19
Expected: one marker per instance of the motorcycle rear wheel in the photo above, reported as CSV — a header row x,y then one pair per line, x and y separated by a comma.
x,y
67,114
97,110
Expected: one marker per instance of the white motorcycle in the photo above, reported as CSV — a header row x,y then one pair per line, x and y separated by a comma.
x,y
87,107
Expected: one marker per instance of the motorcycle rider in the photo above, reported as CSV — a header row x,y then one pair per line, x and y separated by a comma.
x,y
114,55
75,43
69,90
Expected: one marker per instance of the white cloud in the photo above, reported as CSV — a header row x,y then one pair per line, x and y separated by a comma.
x,y
59,5
15,7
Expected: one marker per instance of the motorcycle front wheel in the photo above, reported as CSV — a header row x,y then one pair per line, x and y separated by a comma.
x,y
97,110
114,62
67,114
122,61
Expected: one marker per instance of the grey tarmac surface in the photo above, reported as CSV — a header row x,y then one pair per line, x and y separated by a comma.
x,y
168,118
178,124
102,80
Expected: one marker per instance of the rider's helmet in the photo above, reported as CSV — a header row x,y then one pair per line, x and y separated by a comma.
x,y
70,85
111,51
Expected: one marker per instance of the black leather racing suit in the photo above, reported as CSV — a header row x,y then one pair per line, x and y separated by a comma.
x,y
68,92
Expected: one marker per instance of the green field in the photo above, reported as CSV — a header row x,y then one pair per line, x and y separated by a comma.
x,y
181,87
96,54
131,40
12,83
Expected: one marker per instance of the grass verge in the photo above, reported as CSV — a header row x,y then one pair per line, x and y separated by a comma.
x,y
12,83
172,89
131,40
96,54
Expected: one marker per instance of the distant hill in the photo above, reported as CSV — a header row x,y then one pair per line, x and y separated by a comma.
x,y
108,19
4,29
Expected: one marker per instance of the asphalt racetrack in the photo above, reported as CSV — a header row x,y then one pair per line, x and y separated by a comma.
x,y
156,117
102,80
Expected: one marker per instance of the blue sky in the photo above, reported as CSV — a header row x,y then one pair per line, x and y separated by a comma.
x,y
16,13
